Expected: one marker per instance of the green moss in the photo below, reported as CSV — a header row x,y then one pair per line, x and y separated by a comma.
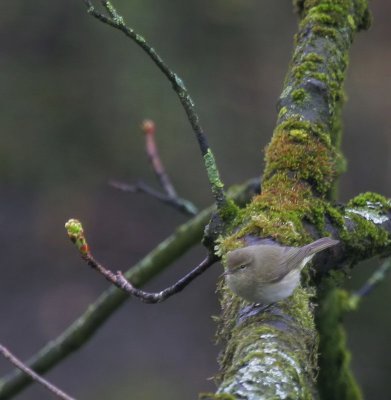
x,y
224,244
313,58
279,213
295,121
351,22
276,213
335,216
335,380
311,10
304,69
309,160
366,239
282,112
320,76
213,174
299,304
299,95
298,134
330,7
365,199
325,31
229,211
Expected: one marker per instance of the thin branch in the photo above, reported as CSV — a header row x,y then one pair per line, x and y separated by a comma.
x,y
116,21
76,234
374,280
140,186
182,205
34,376
170,196
83,328
149,129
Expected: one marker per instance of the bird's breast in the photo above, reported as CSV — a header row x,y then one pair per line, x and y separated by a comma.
x,y
271,293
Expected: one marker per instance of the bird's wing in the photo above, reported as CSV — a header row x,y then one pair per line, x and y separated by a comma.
x,y
294,256
278,261
275,266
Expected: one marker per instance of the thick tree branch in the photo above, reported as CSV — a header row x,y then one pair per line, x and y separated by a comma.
x,y
302,163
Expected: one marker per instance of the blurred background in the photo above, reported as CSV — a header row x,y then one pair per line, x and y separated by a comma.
x,y
73,93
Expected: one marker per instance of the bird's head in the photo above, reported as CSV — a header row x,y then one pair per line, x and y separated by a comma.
x,y
237,261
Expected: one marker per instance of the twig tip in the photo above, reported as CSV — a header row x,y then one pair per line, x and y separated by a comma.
x,y
148,127
75,232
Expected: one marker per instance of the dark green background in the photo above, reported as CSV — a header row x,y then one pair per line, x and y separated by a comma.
x,y
72,95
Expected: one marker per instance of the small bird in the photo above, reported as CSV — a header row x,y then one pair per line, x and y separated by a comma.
x,y
265,273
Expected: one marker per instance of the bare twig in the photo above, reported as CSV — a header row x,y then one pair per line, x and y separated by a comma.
x,y
149,129
170,196
374,280
140,186
34,376
76,234
179,203
116,21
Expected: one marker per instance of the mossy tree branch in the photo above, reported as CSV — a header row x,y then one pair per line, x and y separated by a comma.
x,y
274,354
335,379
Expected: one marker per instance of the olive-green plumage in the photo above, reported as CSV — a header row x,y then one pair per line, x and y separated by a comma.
x,y
266,273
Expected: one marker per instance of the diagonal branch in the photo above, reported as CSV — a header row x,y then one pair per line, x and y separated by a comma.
x,y
373,281
76,234
34,376
116,21
97,313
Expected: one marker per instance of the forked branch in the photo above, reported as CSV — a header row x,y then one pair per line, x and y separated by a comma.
x,y
116,21
170,195
76,234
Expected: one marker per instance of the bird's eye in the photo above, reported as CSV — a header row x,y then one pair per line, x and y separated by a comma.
x,y
242,267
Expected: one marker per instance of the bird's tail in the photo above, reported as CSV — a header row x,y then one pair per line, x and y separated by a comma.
x,y
319,245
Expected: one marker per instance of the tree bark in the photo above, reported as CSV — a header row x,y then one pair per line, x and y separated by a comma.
x,y
273,354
